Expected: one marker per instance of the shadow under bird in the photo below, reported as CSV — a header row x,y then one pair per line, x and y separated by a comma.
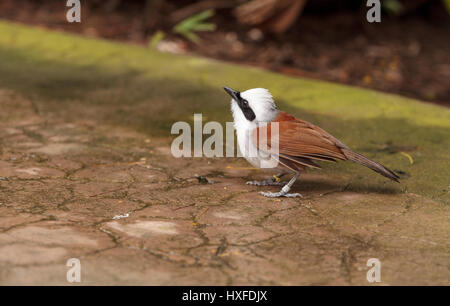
x,y
300,143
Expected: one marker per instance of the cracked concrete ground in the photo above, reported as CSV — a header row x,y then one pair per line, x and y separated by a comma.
x,y
86,172
133,214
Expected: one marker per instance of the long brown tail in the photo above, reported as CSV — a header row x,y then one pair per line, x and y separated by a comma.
x,y
360,159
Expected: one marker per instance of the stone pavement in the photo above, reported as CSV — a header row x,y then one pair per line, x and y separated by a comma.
x,y
132,214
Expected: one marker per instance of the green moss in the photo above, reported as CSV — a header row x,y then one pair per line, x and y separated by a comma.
x,y
139,88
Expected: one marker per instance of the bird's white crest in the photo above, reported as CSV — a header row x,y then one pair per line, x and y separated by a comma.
x,y
261,102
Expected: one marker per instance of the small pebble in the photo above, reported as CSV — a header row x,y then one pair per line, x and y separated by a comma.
x,y
204,180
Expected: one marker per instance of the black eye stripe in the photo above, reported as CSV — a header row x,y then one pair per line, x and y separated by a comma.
x,y
249,114
246,109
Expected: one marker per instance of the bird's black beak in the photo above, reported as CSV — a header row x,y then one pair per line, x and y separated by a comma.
x,y
236,95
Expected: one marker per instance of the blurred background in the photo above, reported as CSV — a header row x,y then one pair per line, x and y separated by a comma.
x,y
407,53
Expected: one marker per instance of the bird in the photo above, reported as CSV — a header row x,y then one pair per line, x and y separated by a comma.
x,y
300,144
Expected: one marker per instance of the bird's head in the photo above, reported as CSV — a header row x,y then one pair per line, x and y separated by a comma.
x,y
254,105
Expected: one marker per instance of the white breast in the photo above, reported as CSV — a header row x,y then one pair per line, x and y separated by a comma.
x,y
246,146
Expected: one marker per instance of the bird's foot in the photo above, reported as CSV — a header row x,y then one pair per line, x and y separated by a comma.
x,y
273,181
284,192
281,194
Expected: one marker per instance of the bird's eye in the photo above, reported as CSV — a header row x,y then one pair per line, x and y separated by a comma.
x,y
245,103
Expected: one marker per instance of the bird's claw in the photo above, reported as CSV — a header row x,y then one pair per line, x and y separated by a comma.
x,y
269,182
281,194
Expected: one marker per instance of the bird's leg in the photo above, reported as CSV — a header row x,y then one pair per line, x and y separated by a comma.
x,y
284,191
273,181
